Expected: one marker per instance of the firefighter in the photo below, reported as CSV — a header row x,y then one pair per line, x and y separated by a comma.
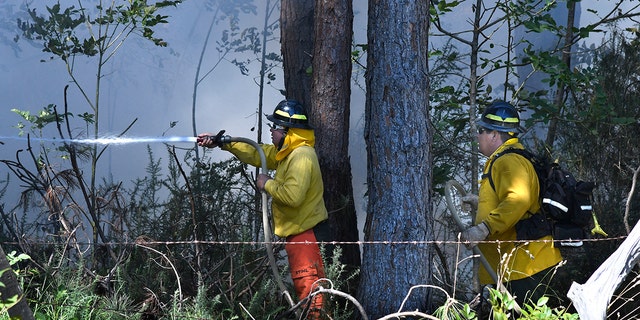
x,y
525,267
296,189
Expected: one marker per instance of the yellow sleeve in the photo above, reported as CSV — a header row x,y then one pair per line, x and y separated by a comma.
x,y
249,155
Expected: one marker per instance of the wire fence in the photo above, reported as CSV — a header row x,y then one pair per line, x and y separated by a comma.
x,y
359,243
164,311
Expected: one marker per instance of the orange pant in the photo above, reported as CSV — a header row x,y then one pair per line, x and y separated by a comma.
x,y
305,264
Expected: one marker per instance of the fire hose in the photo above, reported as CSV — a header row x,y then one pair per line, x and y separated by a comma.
x,y
448,190
266,223
454,213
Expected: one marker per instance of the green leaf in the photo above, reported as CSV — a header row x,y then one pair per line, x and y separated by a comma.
x,y
542,301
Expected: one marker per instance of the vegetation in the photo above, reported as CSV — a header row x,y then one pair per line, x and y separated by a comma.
x,y
181,241
587,102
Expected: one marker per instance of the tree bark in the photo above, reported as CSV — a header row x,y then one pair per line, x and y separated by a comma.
x,y
558,99
11,288
398,137
325,92
330,98
296,40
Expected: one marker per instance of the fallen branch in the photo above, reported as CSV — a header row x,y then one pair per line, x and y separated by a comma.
x,y
302,303
399,315
629,198
175,271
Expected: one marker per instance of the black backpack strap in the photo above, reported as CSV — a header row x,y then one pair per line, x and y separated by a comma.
x,y
526,154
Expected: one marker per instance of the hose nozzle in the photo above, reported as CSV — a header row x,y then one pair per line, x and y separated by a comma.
x,y
218,139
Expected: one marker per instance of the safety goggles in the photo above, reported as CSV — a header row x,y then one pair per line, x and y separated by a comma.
x,y
482,130
274,126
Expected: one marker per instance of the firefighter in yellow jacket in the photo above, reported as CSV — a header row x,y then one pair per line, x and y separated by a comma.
x,y
296,189
507,207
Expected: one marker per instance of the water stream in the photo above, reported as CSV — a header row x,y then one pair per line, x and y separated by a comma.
x,y
107,140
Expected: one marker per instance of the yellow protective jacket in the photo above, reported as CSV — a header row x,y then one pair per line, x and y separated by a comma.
x,y
296,189
515,198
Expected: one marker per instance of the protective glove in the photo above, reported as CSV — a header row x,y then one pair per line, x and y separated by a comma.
x,y
469,202
210,141
261,181
472,235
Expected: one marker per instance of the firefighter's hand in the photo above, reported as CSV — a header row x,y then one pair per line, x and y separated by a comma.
x,y
261,181
210,140
472,235
469,202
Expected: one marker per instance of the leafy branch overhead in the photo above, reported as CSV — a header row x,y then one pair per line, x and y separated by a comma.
x,y
61,36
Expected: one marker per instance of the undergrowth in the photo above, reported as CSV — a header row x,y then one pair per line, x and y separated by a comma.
x,y
72,293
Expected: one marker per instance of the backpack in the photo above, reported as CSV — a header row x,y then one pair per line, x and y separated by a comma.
x,y
565,203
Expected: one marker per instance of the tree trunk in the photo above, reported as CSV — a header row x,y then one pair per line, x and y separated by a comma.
x,y
473,97
330,114
398,140
329,106
11,288
296,34
558,99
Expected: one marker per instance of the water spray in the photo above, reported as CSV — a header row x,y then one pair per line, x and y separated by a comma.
x,y
107,140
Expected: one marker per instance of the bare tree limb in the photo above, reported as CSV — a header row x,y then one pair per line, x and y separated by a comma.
x,y
628,204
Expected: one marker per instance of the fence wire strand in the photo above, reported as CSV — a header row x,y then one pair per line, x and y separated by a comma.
x,y
359,243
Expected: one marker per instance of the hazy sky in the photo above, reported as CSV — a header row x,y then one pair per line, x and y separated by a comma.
x,y
153,84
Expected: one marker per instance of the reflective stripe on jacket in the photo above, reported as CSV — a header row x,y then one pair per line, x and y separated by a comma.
x,y
515,198
296,188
